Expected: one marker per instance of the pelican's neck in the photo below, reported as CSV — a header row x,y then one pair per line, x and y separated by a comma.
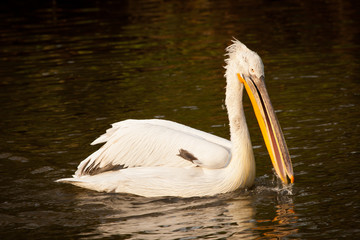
x,y
242,164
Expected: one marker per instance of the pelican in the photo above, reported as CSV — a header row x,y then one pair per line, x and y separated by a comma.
x,y
163,158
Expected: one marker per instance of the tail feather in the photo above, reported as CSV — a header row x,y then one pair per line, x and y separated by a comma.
x,y
91,182
74,181
68,180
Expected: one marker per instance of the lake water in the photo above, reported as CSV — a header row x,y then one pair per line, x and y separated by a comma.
x,y
69,70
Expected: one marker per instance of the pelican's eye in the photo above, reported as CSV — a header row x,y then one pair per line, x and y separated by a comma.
x,y
252,70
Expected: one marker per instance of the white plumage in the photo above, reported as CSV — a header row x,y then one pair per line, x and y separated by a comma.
x,y
163,158
134,143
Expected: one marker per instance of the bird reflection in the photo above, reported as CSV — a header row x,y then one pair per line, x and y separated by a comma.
x,y
170,218
242,213
230,216
283,224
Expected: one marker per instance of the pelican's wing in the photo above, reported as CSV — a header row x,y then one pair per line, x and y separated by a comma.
x,y
149,143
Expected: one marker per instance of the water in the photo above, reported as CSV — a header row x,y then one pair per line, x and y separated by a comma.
x,y
69,70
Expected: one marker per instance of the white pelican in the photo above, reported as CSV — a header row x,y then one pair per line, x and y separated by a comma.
x,y
163,158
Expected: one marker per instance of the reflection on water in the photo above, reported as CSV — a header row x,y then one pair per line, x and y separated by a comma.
x,y
284,223
68,70
178,218
230,215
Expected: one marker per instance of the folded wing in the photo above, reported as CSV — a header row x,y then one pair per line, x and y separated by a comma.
x,y
151,143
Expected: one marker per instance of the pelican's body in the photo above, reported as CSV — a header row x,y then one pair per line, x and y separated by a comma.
x,y
163,158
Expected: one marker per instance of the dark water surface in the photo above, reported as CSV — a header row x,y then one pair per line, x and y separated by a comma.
x,y
68,70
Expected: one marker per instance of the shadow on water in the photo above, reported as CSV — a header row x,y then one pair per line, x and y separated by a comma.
x,y
68,70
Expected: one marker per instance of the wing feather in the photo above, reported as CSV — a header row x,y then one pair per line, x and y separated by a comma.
x,y
151,143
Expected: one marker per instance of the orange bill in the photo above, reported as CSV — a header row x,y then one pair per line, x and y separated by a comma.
x,y
270,127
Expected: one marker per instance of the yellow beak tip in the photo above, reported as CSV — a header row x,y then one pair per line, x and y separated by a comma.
x,y
292,179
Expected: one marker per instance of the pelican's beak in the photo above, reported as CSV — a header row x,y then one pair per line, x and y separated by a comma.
x,y
270,127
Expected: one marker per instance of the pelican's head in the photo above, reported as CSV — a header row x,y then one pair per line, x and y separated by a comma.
x,y
244,61
246,66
